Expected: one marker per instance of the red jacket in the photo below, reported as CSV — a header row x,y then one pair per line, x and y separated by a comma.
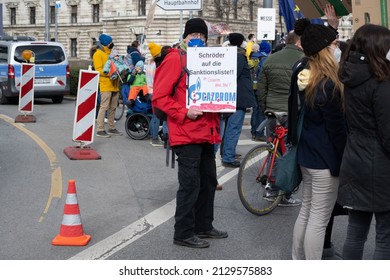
x,y
182,130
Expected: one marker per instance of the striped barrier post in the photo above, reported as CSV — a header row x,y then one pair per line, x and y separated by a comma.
x,y
26,94
84,121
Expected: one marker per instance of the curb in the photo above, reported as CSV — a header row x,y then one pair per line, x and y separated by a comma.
x,y
70,97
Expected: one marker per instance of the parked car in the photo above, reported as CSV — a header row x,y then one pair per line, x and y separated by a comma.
x,y
52,72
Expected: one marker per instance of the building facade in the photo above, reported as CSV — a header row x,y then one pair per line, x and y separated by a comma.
x,y
78,23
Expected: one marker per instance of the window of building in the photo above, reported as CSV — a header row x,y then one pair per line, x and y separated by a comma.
x,y
13,16
141,7
200,13
52,14
73,47
32,15
95,13
251,5
73,14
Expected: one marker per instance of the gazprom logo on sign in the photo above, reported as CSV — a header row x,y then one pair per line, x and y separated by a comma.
x,y
196,95
58,4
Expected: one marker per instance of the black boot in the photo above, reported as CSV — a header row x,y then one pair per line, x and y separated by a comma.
x,y
330,254
130,103
148,98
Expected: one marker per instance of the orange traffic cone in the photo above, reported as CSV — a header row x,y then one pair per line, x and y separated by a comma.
x,y
71,231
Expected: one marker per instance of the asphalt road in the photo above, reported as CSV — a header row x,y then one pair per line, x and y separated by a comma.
x,y
126,199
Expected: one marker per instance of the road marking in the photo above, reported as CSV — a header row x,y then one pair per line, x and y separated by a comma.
x,y
112,244
56,175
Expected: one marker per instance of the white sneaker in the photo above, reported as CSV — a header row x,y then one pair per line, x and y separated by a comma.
x,y
290,202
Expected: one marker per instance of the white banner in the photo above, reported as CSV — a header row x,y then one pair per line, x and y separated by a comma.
x,y
266,23
212,83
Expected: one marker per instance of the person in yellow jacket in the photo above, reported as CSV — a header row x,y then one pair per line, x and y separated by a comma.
x,y
248,48
109,90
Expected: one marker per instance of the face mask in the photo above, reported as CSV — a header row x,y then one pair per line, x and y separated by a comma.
x,y
196,42
388,55
110,46
254,39
337,54
244,44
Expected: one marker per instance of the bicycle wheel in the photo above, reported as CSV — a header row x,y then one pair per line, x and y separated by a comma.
x,y
253,178
120,108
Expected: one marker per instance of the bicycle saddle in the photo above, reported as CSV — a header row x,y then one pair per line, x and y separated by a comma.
x,y
276,115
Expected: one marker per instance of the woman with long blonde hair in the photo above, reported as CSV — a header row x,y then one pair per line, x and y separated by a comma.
x,y
322,139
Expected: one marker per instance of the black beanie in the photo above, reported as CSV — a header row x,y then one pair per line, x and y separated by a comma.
x,y
236,39
196,25
316,37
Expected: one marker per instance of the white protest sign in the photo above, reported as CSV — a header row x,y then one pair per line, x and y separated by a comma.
x,y
266,19
212,83
179,5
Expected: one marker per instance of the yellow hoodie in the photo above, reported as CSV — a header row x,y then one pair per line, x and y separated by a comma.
x,y
100,57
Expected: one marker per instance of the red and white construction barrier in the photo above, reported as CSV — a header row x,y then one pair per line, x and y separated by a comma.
x,y
84,121
26,93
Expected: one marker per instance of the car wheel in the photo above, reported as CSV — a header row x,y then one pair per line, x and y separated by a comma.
x,y
57,99
3,98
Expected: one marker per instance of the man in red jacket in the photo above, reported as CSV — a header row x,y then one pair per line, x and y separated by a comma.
x,y
192,135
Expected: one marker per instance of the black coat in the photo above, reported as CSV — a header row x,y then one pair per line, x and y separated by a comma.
x,y
245,95
365,169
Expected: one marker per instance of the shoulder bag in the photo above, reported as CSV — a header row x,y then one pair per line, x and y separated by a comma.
x,y
288,174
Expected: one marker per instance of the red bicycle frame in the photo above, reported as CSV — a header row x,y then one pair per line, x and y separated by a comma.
x,y
280,132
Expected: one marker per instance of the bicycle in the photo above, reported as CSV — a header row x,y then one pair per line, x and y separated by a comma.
x,y
122,99
120,108
256,174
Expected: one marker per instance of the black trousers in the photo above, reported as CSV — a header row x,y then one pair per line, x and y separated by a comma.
x,y
197,176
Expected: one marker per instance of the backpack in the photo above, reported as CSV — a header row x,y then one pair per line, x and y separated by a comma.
x,y
161,115
255,65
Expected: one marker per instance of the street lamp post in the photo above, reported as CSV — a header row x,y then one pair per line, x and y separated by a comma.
x,y
57,6
47,25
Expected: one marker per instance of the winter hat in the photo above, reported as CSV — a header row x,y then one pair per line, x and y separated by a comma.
x,y
265,47
316,37
196,25
105,39
140,64
154,49
236,39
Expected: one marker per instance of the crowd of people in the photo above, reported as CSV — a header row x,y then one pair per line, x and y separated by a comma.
x,y
343,152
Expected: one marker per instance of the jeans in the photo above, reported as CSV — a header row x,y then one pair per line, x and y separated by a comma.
x,y
154,127
195,198
222,125
359,223
319,197
256,119
232,134
165,127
